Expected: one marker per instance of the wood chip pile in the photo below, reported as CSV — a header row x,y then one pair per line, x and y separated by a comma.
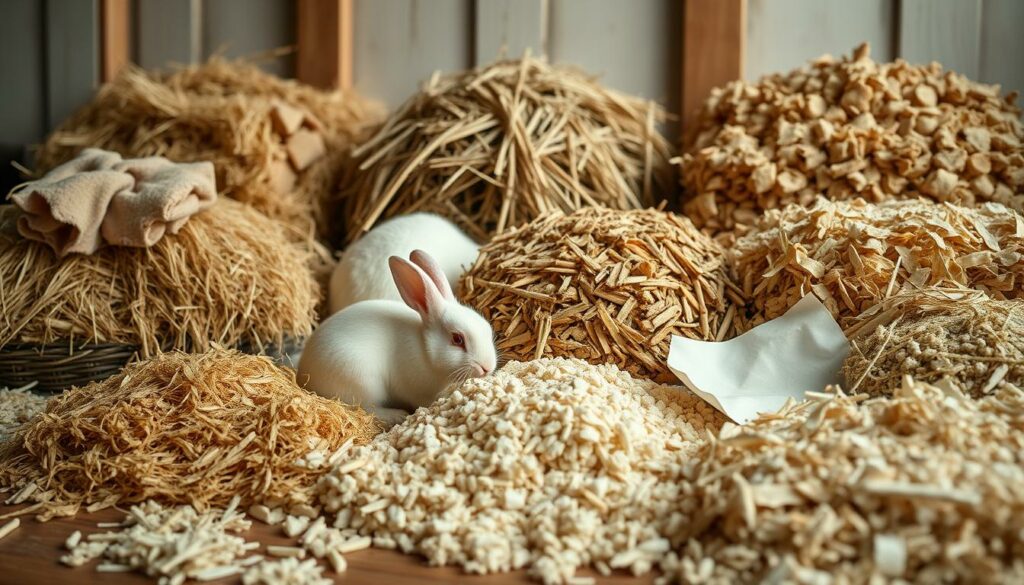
x,y
230,277
602,285
851,128
922,487
277,144
494,148
17,407
975,342
853,254
179,428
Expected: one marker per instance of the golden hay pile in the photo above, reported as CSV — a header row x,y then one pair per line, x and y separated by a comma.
x,y
602,285
221,111
496,147
976,342
851,128
922,487
852,254
179,428
229,277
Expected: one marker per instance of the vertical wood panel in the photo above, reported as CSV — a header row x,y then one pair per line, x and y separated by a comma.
x,y
325,43
785,34
400,43
169,31
509,27
115,37
947,31
1002,44
714,48
247,28
72,56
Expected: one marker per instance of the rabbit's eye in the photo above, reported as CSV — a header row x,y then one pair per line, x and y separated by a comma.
x,y
458,340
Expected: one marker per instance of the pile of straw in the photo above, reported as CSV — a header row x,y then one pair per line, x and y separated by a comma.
x,y
604,286
229,277
220,111
935,334
853,254
851,128
496,147
179,428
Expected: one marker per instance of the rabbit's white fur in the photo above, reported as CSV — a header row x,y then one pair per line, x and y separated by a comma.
x,y
379,352
358,276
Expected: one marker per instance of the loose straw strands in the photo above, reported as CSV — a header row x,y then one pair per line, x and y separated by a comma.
x,y
230,277
603,286
496,147
179,428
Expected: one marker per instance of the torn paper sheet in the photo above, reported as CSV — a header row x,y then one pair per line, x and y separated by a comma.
x,y
756,372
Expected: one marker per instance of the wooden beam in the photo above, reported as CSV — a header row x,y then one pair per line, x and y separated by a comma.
x,y
114,38
324,43
714,48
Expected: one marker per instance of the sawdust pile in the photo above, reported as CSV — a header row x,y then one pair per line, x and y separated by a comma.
x,y
851,128
853,254
276,144
493,148
603,285
179,428
17,407
976,342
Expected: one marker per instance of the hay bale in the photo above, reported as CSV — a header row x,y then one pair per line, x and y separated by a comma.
x,y
180,429
494,148
851,128
602,285
936,334
229,277
224,112
853,254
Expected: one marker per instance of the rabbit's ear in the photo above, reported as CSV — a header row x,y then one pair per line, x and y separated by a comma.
x,y
434,271
415,287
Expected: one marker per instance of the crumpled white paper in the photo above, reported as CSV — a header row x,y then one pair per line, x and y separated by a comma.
x,y
756,372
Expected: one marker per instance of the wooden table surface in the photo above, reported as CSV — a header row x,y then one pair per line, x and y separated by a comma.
x,y
30,555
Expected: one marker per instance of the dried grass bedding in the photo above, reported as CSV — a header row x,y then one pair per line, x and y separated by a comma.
x,y
495,147
178,428
850,128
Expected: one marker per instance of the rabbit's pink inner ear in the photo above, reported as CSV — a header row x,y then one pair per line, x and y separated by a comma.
x,y
411,284
434,271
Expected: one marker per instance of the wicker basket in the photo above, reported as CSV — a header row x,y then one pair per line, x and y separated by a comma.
x,y
55,367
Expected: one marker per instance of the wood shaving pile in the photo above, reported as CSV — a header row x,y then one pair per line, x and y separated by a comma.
x,y
225,112
975,342
287,571
178,428
548,465
495,147
853,254
924,487
603,285
17,407
851,128
229,277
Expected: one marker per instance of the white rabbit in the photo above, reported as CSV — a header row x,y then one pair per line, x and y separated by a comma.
x,y
377,353
358,276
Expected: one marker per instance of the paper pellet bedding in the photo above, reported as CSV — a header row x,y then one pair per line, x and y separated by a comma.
x,y
549,465
17,407
851,128
935,334
603,285
852,254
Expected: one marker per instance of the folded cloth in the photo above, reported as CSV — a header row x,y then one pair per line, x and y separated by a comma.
x,y
98,197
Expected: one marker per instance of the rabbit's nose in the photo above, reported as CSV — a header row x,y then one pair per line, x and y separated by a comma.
x,y
482,370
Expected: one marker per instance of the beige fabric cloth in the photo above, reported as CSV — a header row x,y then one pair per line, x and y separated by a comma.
x,y
98,198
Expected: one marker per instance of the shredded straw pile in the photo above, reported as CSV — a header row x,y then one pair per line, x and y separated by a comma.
x,y
229,277
604,286
225,112
179,428
549,465
976,342
851,128
493,148
853,254
17,407
922,487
